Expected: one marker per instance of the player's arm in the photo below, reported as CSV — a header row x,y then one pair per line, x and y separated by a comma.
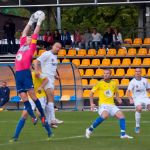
x,y
37,67
119,100
92,105
129,92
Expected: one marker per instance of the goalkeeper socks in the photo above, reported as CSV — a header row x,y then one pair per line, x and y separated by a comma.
x,y
29,109
137,118
47,127
19,127
122,123
98,121
39,107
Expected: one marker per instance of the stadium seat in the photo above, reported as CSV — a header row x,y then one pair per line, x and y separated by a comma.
x,y
81,52
111,52
142,52
143,72
76,62
131,52
126,62
124,82
146,62
84,82
99,72
148,52
58,60
93,82
105,62
148,72
86,93
116,81
121,93
120,72
71,52
136,62
137,41
101,52
81,72
146,41
89,72
128,41
85,62
65,98
62,52
91,52
65,60
41,52
57,98
112,72
95,62
122,52
15,99
130,72
116,62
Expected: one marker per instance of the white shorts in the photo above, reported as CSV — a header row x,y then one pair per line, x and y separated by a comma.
x,y
142,101
42,101
50,84
111,109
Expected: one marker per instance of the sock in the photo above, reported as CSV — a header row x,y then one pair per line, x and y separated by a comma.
x,y
19,127
48,129
39,107
122,123
47,114
137,118
98,121
29,109
51,110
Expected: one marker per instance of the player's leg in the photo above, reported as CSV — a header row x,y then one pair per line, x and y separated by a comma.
x,y
103,114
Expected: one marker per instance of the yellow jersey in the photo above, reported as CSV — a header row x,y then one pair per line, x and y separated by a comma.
x,y
106,91
37,83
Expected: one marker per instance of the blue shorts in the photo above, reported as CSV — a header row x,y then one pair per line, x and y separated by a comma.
x,y
23,81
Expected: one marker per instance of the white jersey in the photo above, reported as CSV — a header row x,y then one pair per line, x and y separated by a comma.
x,y
139,88
48,63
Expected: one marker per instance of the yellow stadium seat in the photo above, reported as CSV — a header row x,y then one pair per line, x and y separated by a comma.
x,y
124,82
143,72
71,52
85,62
137,41
148,72
122,52
62,52
116,62
147,41
136,62
116,81
121,93
120,72
105,62
76,62
148,52
131,52
86,93
130,72
41,52
58,60
126,62
89,72
111,52
95,62
112,72
101,52
128,41
146,62
91,52
81,72
84,82
81,52
99,72
142,52
65,60
93,82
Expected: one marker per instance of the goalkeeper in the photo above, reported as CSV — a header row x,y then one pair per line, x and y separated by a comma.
x,y
23,59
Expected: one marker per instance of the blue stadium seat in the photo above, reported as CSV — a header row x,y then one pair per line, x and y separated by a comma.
x,y
57,98
73,98
15,99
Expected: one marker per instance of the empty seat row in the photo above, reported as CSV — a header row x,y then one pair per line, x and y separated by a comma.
x,y
137,41
118,72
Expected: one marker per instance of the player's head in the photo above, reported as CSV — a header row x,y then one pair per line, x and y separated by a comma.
x,y
28,40
138,73
56,47
107,74
3,83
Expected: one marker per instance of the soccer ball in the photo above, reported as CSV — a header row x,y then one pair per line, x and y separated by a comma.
x,y
39,14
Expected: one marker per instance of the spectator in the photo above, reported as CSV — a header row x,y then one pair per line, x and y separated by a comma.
x,y
9,31
4,94
117,38
77,38
88,38
56,36
48,39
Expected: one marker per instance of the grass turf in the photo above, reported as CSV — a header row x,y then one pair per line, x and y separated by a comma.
x,y
70,135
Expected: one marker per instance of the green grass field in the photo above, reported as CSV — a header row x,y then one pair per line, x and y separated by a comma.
x,y
70,135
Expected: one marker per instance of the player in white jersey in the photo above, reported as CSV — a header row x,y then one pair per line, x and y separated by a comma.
x,y
138,88
48,63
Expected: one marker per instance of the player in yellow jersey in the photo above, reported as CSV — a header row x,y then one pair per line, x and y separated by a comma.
x,y
39,83
107,89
